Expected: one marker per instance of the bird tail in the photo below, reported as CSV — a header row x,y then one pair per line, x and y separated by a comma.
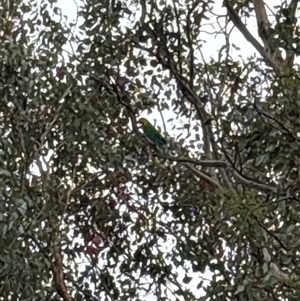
x,y
163,148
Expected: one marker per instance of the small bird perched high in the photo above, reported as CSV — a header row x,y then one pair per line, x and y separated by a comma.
x,y
152,133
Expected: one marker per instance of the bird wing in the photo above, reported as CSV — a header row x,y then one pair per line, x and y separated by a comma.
x,y
154,134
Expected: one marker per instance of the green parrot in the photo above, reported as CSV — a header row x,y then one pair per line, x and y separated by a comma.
x,y
152,133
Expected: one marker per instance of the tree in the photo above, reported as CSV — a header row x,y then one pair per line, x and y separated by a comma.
x,y
90,210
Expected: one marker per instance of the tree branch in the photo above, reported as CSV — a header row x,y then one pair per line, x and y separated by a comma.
x,y
263,24
166,61
57,264
290,53
204,163
202,175
252,184
221,164
58,275
279,274
268,57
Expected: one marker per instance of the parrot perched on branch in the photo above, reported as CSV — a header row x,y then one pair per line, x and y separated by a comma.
x,y
152,133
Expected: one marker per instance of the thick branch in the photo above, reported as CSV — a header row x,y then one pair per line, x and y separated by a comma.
x,y
268,57
57,265
204,163
58,276
279,274
202,175
252,184
166,61
192,97
224,165
263,24
290,53
293,8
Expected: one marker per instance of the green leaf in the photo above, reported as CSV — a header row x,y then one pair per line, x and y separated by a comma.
x,y
239,289
261,159
187,279
5,172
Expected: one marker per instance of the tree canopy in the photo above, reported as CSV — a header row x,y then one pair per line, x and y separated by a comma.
x,y
90,209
